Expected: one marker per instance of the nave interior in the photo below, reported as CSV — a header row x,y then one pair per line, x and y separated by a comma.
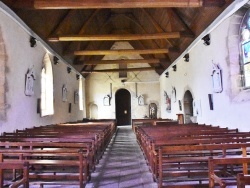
x,y
150,153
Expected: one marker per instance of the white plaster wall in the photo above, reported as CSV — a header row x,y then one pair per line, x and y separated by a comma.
x,y
98,85
195,76
22,110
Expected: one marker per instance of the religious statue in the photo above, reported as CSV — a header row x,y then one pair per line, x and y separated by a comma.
x,y
152,111
29,82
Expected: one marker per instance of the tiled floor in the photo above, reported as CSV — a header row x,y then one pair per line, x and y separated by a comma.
x,y
123,164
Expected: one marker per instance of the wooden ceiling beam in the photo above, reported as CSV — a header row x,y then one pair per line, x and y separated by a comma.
x,y
121,52
114,37
97,4
123,61
119,70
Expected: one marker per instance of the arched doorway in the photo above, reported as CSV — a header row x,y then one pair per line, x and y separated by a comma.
x,y
93,111
123,107
188,106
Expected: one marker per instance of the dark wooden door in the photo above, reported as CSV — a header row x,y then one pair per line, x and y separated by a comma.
x,y
123,107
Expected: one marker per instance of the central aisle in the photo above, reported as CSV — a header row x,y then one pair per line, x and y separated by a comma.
x,y
123,164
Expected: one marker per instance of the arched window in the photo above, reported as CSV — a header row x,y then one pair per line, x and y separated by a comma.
x,y
245,49
80,94
47,99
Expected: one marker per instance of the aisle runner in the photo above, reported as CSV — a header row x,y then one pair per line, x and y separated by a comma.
x,y
123,164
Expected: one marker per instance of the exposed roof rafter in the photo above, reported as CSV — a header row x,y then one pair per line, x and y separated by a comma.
x,y
82,32
120,70
90,4
121,52
124,61
112,37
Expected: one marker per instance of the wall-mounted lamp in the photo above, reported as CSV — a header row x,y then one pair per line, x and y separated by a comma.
x,y
32,41
55,59
186,57
206,39
68,69
166,74
77,76
174,68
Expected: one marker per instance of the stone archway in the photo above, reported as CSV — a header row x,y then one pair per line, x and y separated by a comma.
x,y
3,59
188,106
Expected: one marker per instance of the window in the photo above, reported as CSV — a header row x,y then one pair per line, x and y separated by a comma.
x,y
80,94
47,99
245,49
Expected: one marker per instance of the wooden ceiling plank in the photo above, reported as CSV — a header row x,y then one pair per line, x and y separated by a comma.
x,y
83,28
96,4
89,44
121,52
124,61
64,20
90,19
119,70
113,37
176,16
212,3
156,25
28,4
133,19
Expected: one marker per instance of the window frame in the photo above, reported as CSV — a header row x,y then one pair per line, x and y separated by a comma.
x,y
47,88
245,60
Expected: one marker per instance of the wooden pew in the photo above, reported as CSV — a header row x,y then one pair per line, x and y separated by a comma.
x,y
177,145
98,134
15,183
151,122
53,145
188,164
228,172
185,135
242,180
52,165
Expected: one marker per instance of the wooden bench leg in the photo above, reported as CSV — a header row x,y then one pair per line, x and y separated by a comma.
x,y
1,171
81,180
1,178
26,174
240,180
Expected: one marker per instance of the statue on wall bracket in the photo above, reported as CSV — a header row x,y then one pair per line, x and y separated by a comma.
x,y
141,100
217,79
107,100
64,93
29,82
173,94
167,101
